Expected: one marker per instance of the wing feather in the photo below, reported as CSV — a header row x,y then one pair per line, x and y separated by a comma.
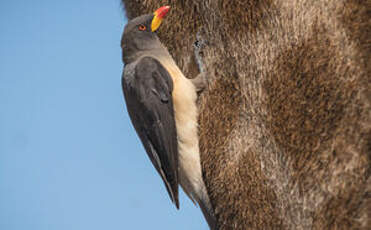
x,y
147,92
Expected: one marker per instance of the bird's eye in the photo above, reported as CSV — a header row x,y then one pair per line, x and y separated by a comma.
x,y
142,27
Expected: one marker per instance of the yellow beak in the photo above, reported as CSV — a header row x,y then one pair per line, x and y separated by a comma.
x,y
159,15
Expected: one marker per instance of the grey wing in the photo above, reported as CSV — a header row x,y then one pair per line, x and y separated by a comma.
x,y
147,91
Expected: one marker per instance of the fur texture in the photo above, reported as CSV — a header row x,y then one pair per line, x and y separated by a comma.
x,y
285,125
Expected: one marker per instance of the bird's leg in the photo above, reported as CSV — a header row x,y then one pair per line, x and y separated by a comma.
x,y
200,81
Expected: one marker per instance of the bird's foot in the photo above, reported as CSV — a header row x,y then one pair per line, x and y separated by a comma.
x,y
198,47
200,82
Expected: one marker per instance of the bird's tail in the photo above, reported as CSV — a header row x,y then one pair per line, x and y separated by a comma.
x,y
208,212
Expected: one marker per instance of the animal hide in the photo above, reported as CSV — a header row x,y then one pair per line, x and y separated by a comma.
x,y
285,121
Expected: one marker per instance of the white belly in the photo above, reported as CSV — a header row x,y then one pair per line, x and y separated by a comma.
x,y
186,118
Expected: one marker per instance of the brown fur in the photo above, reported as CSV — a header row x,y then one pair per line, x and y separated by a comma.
x,y
285,124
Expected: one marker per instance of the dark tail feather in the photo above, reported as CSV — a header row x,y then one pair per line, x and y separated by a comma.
x,y
209,215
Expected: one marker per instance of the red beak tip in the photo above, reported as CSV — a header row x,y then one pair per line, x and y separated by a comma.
x,y
162,11
165,7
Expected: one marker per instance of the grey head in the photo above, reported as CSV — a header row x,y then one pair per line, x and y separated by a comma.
x,y
140,35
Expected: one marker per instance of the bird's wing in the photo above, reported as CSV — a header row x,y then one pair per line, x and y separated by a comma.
x,y
147,91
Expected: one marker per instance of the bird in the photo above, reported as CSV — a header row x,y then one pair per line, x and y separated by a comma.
x,y
161,103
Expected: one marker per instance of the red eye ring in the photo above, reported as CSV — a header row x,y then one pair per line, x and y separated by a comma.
x,y
142,27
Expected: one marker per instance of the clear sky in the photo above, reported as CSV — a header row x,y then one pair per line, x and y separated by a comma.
x,y
69,157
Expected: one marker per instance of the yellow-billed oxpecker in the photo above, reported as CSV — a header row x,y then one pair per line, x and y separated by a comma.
x,y
161,103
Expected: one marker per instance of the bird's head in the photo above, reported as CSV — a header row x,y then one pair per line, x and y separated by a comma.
x,y
139,33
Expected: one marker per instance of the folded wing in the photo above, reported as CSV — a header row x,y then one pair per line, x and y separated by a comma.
x,y
147,90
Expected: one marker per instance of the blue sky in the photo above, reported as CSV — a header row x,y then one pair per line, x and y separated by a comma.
x,y
69,157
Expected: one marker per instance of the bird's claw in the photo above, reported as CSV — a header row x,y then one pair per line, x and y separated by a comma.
x,y
200,82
